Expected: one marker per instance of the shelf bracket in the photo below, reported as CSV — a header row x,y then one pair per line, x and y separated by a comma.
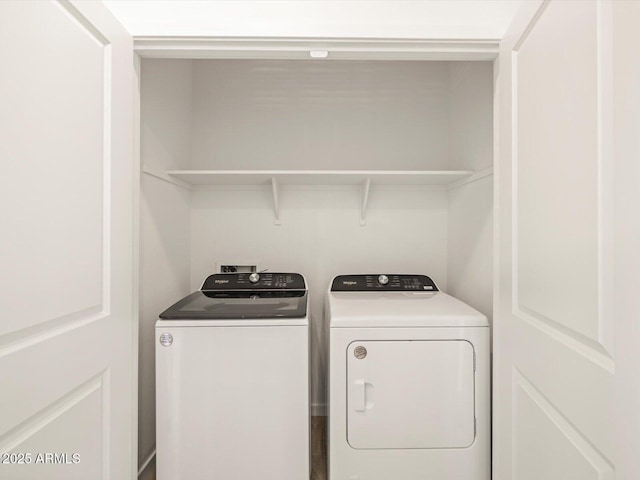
x,y
365,198
276,201
167,178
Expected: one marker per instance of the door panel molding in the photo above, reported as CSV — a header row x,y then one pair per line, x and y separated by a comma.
x,y
107,87
39,420
47,329
606,196
83,22
600,464
585,346
597,344
525,34
81,314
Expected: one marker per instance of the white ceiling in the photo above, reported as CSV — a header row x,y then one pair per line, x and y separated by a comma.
x,y
437,19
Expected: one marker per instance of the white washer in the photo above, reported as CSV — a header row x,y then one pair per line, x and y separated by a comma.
x,y
232,380
408,381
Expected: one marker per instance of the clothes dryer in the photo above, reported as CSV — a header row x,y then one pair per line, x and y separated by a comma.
x,y
408,381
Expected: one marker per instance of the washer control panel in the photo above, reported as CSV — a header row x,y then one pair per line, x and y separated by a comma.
x,y
254,281
385,282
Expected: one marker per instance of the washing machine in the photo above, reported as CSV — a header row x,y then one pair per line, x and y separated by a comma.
x,y
408,381
232,380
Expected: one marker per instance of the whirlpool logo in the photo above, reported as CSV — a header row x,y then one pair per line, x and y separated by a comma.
x,y
349,282
221,281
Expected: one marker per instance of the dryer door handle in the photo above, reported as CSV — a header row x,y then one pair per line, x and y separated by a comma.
x,y
359,395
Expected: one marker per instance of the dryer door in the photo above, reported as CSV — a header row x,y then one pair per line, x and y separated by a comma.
x,y
410,394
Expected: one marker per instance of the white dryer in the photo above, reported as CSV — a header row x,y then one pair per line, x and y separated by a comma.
x,y
408,381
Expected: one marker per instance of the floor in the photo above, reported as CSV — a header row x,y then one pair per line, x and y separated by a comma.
x,y
318,448
318,452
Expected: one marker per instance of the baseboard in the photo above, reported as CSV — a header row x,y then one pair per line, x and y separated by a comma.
x,y
318,409
146,462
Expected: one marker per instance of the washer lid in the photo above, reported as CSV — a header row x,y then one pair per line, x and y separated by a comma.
x,y
238,305
400,309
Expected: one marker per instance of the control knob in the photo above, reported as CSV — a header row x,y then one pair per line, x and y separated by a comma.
x,y
383,279
254,277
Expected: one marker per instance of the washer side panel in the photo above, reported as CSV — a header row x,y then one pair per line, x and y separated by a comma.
x,y
226,394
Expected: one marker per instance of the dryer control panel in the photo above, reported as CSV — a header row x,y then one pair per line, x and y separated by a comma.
x,y
385,282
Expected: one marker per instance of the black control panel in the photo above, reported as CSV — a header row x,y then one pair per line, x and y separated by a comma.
x,y
383,282
254,281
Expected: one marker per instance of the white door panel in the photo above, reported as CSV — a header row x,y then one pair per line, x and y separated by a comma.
x,y
53,165
556,369
410,394
556,269
67,348
557,167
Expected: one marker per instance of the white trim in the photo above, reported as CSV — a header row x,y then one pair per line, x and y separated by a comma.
x,y
136,186
299,48
496,347
147,461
